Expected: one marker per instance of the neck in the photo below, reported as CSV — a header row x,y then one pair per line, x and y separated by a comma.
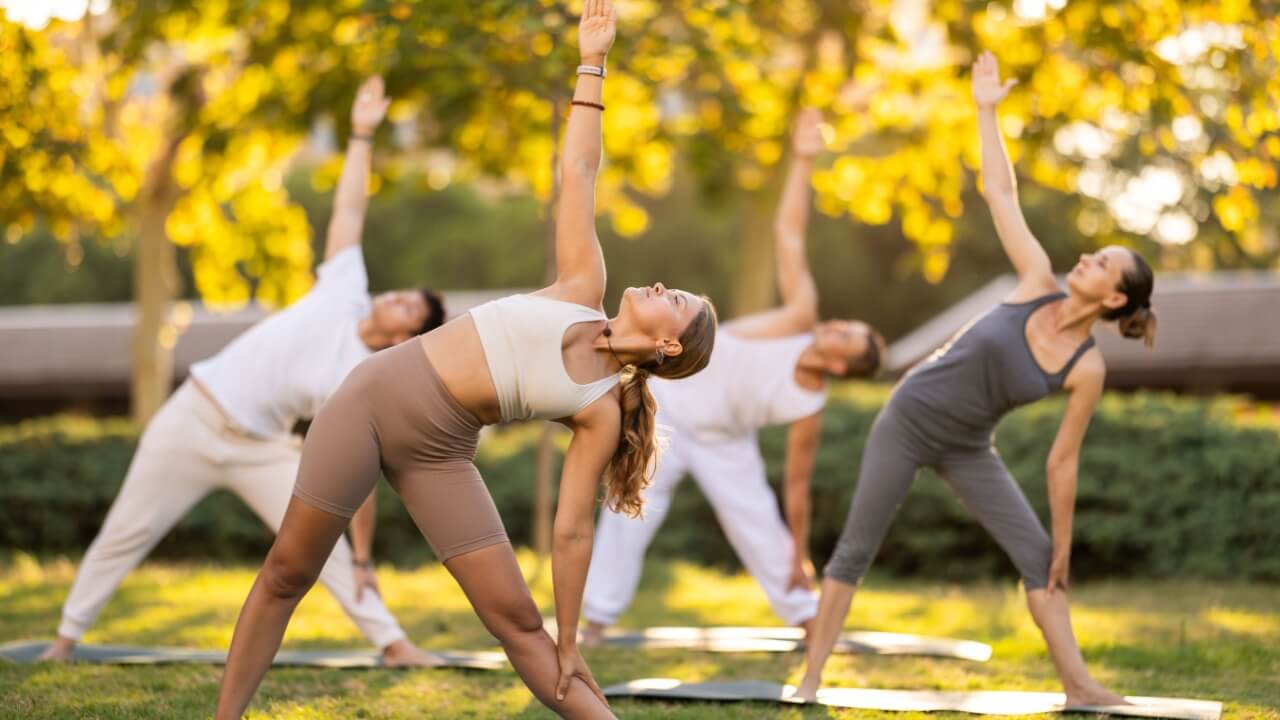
x,y
622,347
1076,315
810,360
370,336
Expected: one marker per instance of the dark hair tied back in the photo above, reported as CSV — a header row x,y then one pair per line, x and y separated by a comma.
x,y
1135,318
435,311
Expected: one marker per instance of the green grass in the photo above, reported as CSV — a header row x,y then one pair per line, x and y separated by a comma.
x,y
1192,639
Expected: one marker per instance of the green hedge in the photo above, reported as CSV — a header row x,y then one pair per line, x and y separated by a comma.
x,y
1168,487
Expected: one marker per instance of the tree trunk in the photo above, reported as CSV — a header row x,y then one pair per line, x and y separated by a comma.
x,y
753,285
543,511
155,283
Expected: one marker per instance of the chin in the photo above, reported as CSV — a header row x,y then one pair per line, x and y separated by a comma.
x,y
1073,284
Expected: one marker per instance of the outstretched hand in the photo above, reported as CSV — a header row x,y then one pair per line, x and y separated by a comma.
x,y
596,30
370,106
807,140
987,88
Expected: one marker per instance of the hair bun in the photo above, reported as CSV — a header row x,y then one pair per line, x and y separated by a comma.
x,y
1141,323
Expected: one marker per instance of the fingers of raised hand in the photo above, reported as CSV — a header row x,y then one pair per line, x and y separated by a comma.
x,y
371,89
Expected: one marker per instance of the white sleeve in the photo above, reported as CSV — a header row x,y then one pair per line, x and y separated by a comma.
x,y
343,275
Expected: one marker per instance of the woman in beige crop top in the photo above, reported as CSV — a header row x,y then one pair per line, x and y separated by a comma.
x,y
415,410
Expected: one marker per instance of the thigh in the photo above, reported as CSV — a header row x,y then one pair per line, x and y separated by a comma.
x,y
266,484
170,472
451,506
341,457
733,478
890,462
989,491
668,471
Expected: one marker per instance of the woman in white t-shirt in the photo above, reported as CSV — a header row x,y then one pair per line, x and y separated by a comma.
x,y
229,426
415,411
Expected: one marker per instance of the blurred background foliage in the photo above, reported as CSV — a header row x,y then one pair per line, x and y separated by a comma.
x,y
1158,121
1169,487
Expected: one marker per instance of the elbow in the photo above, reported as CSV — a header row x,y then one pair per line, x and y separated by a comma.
x,y
796,486
581,168
572,534
1060,466
998,193
807,312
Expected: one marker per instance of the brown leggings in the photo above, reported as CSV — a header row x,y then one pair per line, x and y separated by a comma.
x,y
393,413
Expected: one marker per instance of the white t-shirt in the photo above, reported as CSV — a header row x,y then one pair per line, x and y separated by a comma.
x,y
749,384
286,366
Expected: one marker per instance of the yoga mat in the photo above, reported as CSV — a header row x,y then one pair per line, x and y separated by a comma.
x,y
978,703
787,639
27,652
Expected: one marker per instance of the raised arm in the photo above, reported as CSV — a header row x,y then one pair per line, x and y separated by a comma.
x,y
799,310
999,188
580,274
351,199
595,437
1085,387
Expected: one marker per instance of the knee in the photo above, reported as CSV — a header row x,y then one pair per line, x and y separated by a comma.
x,y
1034,563
285,579
512,620
124,539
848,566
851,558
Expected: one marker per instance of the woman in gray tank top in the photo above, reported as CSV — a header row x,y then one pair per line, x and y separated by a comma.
x,y
944,411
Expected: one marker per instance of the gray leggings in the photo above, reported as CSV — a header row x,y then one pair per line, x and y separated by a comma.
x,y
895,450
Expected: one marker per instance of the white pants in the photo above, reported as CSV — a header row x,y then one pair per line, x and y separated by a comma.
x,y
187,451
732,476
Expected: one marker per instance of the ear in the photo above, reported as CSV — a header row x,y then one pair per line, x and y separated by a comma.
x,y
1115,301
669,347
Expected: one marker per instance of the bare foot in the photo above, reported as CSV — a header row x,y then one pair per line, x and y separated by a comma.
x,y
403,653
1093,695
806,692
61,650
594,635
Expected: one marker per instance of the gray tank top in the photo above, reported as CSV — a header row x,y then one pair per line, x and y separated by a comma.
x,y
984,371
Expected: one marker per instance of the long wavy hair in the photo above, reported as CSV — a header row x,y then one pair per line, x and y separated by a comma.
x,y
631,468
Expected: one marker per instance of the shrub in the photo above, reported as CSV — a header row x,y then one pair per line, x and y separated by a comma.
x,y
1168,486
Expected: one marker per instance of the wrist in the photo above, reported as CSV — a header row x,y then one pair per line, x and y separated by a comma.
x,y
362,562
592,59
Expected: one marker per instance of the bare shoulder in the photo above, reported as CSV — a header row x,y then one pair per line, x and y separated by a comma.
x,y
1089,373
